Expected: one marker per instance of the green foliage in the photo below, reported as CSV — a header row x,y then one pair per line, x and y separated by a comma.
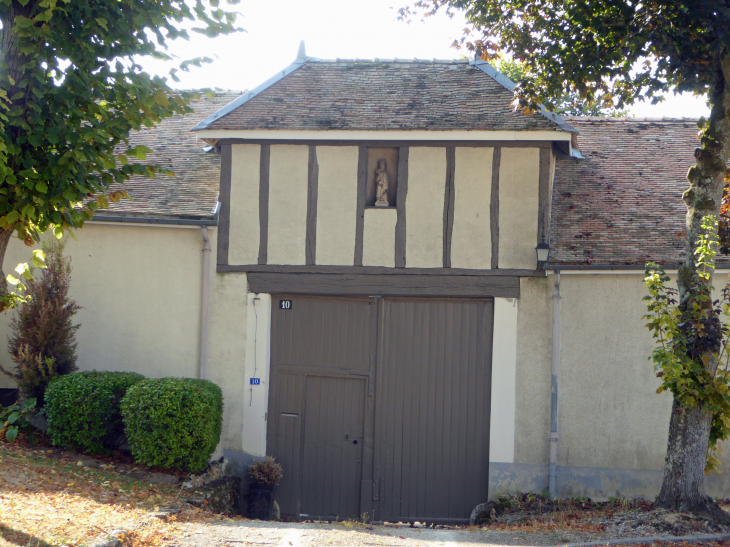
x,y
71,91
568,104
609,53
692,364
17,417
173,423
42,343
83,409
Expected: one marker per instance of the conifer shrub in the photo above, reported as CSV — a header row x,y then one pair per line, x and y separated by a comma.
x,y
83,409
173,423
42,343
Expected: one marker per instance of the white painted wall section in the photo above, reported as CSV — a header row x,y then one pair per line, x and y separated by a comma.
x,y
425,207
258,359
504,378
336,204
243,244
519,176
378,246
288,185
471,239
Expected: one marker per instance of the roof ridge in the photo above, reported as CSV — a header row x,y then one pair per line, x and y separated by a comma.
x,y
396,60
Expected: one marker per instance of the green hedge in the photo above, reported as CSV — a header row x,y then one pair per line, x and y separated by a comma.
x,y
83,409
173,423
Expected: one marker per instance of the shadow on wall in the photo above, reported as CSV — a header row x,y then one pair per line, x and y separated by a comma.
x,y
238,463
8,396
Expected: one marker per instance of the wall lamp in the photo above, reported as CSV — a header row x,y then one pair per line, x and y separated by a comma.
x,y
542,250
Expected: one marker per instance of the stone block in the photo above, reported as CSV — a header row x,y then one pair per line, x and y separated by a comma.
x,y
220,496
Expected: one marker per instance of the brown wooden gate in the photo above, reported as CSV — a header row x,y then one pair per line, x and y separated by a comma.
x,y
381,406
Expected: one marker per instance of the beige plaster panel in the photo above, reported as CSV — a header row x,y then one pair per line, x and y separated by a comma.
x,y
336,204
519,174
471,240
227,349
243,243
534,362
609,414
378,247
425,207
139,289
288,184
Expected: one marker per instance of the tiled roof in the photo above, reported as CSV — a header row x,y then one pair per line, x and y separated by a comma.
x,y
193,191
622,204
383,95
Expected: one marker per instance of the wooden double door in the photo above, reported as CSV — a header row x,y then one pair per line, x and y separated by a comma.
x,y
380,406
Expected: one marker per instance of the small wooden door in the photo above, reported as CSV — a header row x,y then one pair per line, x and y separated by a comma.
x,y
333,440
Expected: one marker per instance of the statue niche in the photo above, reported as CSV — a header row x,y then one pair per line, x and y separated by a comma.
x,y
382,178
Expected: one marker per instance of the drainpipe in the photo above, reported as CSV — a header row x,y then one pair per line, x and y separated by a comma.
x,y
555,377
204,303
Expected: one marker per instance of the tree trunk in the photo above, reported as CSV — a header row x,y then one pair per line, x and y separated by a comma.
x,y
683,487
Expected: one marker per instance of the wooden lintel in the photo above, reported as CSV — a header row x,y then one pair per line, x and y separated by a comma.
x,y
385,285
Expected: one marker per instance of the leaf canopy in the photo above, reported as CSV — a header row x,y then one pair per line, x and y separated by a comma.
x,y
72,90
610,52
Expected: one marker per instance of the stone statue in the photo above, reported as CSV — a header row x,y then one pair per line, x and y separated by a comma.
x,y
381,185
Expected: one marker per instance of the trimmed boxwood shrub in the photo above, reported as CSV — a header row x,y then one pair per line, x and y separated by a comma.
x,y
173,423
83,409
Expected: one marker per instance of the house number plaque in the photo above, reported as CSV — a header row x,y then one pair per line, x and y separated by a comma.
x,y
284,304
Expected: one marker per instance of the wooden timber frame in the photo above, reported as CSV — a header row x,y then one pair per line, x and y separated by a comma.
x,y
359,280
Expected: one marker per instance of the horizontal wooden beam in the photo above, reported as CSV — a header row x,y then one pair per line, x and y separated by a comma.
x,y
395,143
376,270
385,285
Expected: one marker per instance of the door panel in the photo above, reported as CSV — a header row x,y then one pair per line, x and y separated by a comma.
x,y
333,442
322,367
433,402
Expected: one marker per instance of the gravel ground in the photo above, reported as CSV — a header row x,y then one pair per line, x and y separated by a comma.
x,y
531,521
280,534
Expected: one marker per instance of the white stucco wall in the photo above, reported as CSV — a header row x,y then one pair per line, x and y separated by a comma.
x,y
140,292
255,398
378,247
471,240
336,204
288,186
519,174
244,233
504,377
533,371
609,413
425,207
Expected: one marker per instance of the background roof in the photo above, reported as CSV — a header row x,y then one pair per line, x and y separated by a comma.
x,y
622,204
383,95
193,191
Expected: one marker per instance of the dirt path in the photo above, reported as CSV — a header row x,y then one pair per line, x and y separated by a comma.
x,y
258,533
